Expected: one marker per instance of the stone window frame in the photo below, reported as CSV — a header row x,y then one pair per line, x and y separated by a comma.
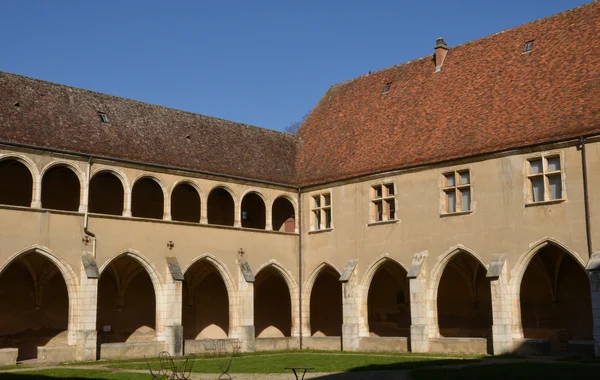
x,y
321,206
457,188
385,199
545,175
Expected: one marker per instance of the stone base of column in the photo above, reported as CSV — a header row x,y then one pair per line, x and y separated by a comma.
x,y
174,339
86,345
419,338
246,335
350,337
502,339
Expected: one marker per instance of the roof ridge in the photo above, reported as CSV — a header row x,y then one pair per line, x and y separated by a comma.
x,y
593,2
121,98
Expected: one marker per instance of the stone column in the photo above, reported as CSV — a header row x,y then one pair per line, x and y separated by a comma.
x,y
244,329
421,327
502,314
173,298
350,308
36,193
127,203
269,218
85,335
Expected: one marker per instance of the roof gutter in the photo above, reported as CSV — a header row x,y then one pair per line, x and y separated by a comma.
x,y
140,163
586,200
424,166
86,216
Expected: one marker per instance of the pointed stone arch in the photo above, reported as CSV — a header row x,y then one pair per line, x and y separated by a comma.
x,y
435,279
365,287
288,278
70,280
520,268
307,298
229,285
157,283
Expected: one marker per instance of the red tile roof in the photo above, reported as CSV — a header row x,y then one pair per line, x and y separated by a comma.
x,y
61,117
488,97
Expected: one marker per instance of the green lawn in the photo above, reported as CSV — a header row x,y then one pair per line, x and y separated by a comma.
x,y
525,370
66,373
322,362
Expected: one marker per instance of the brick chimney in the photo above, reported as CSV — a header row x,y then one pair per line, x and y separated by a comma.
x,y
441,49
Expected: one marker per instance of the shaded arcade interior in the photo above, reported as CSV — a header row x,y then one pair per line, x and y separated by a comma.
x,y
555,299
16,183
388,302
185,203
106,194
147,199
464,302
34,305
126,303
272,305
253,211
205,313
283,215
326,304
61,189
220,207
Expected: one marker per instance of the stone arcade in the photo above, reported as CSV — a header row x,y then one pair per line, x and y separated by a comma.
x,y
447,204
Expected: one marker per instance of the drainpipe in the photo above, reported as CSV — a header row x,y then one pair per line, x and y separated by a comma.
x,y
586,200
300,262
86,216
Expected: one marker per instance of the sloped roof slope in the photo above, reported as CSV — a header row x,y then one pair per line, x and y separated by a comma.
x,y
61,117
488,97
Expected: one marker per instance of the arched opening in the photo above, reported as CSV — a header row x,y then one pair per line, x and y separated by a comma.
x,y
464,300
61,189
253,211
34,305
283,215
205,303
326,304
555,299
147,199
185,203
16,183
220,207
106,194
389,301
272,305
126,303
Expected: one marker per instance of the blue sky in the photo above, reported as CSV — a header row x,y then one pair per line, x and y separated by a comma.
x,y
263,63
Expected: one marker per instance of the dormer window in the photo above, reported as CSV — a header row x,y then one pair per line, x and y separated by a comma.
x,y
103,117
386,88
528,46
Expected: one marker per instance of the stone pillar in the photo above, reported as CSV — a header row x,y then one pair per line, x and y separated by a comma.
x,y
36,193
421,314
502,315
204,212
350,308
237,216
85,334
244,329
127,203
173,298
269,218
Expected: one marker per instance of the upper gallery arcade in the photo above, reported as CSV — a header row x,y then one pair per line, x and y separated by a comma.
x,y
446,204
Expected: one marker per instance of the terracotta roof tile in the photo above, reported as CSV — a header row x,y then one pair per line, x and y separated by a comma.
x,y
488,97
61,117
